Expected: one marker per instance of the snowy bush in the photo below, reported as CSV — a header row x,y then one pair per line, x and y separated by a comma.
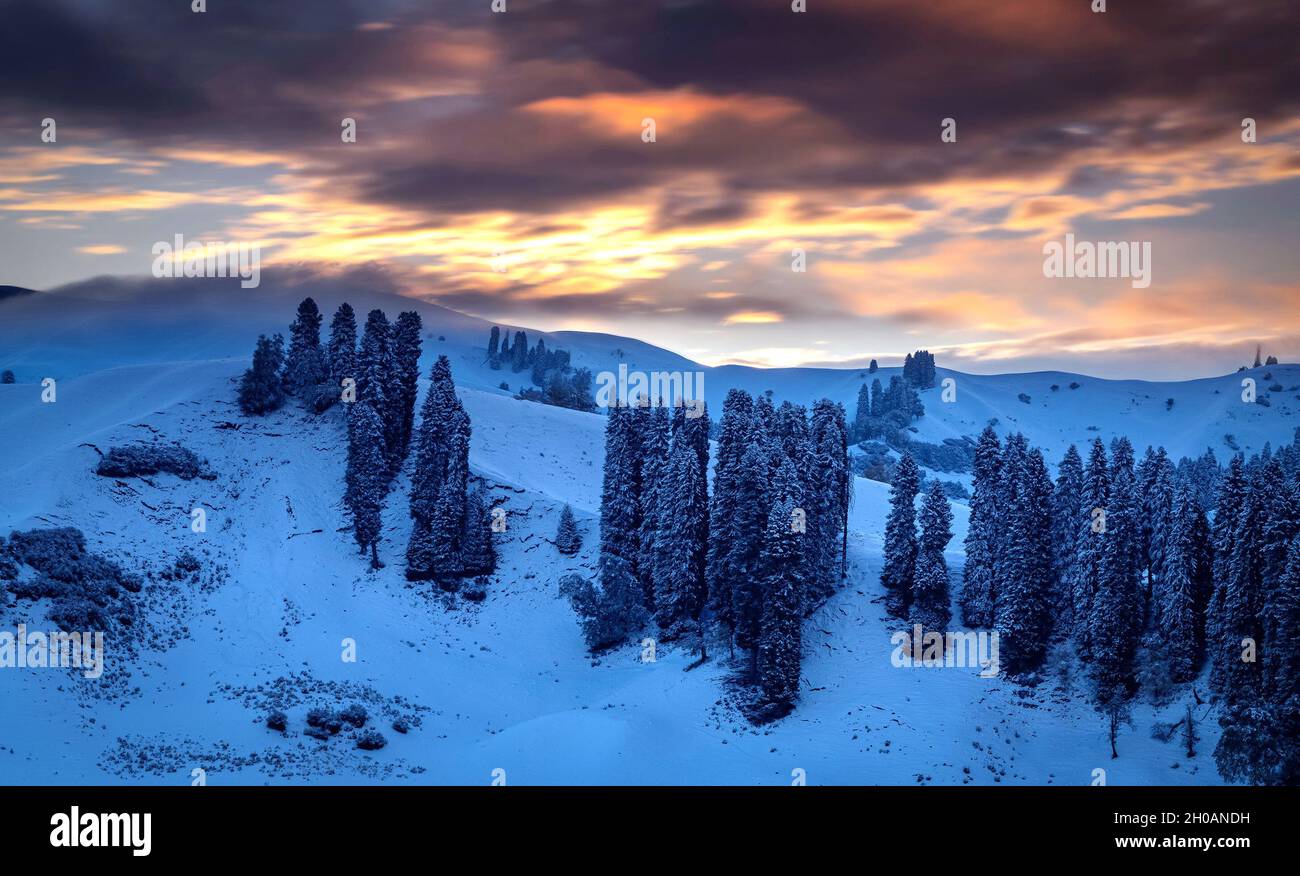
x,y
371,740
355,715
277,720
149,459
610,614
401,725
324,719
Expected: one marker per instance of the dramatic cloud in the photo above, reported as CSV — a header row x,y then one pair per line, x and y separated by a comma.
x,y
504,163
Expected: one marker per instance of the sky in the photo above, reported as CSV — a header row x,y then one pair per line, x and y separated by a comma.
x,y
503,166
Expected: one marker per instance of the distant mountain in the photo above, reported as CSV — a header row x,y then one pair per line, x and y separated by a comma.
x,y
14,292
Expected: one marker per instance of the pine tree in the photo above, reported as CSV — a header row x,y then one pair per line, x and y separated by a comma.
x,y
827,500
519,353
1022,611
343,345
305,364
568,540
1231,497
1065,510
1114,621
900,538
976,598
982,533
733,437
1241,629
653,437
494,343
375,372
780,629
679,559
365,478
261,389
1091,526
478,555
406,361
438,480
1179,623
930,601
745,541
620,503
862,415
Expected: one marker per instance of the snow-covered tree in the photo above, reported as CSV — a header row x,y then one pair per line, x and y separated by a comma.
x,y
931,606
568,540
261,390
366,479
343,345
1179,613
1091,527
982,534
439,481
733,437
406,361
1065,515
305,365
780,629
1022,612
679,554
900,538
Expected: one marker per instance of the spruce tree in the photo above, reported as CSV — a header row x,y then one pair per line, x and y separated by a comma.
x,y
827,500
862,414
930,601
519,353
343,345
1179,623
653,438
261,390
1092,521
982,533
1022,612
679,558
746,541
1241,631
375,373
478,555
1065,509
733,437
568,540
780,628
406,360
620,503
494,343
438,480
366,479
305,364
1114,621
899,570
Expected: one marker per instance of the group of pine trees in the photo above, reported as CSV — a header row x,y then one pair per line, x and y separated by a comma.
x,y
1119,559
555,380
745,565
882,411
918,369
377,380
915,573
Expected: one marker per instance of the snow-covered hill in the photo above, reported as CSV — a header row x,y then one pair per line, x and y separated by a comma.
x,y
503,684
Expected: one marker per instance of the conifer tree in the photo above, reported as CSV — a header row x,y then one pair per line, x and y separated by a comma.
x,y
1065,510
746,541
343,345
930,601
494,343
568,540
780,633
366,480
261,390
1178,615
1114,621
828,499
982,533
653,437
305,364
862,414
1022,612
438,481
1092,521
899,570
519,353
406,360
679,558
620,503
478,553
733,438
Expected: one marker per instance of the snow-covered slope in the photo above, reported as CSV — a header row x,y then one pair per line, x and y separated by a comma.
x,y
506,683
